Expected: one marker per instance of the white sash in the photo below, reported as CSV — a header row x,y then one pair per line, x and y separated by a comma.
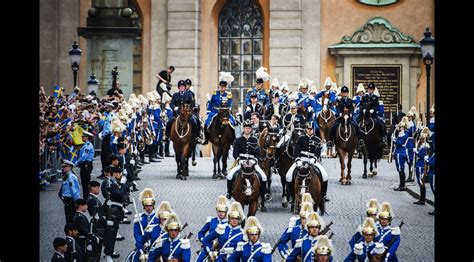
x,y
254,253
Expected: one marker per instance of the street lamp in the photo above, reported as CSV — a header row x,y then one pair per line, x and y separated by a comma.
x,y
75,55
93,84
427,50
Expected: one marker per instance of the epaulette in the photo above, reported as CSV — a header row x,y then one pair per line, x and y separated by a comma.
x,y
220,229
298,243
158,243
240,246
395,230
214,92
266,248
250,89
229,95
208,219
185,244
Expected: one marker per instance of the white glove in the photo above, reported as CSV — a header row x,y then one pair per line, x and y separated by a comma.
x,y
346,117
149,229
176,108
310,109
426,158
89,247
248,109
132,162
363,111
415,151
100,135
123,180
110,223
358,248
371,111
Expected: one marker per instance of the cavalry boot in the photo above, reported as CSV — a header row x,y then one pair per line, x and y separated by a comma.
x,y
229,189
402,187
324,190
410,176
422,196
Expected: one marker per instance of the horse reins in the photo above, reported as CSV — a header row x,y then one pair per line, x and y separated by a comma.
x,y
176,128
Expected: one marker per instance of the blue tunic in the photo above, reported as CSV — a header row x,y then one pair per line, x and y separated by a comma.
x,y
251,252
214,104
210,226
290,234
168,248
226,239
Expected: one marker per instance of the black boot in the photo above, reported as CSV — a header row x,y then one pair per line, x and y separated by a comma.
x,y
422,196
401,187
324,190
410,176
229,189
206,137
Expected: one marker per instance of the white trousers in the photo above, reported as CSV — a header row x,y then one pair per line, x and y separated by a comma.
x,y
289,174
234,170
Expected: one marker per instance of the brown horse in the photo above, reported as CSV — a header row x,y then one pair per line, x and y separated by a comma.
x,y
308,180
326,120
246,188
346,143
221,136
181,135
267,142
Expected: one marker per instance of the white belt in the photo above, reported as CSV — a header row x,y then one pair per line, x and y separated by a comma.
x,y
110,202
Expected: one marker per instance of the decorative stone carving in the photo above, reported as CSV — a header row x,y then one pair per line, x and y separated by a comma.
x,y
377,30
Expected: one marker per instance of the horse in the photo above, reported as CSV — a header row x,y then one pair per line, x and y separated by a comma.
x,y
326,120
181,135
346,143
286,160
308,179
246,188
221,136
267,142
373,148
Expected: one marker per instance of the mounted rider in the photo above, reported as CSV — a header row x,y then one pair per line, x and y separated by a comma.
x,y
195,115
342,103
218,98
332,94
308,148
284,93
253,107
274,88
246,147
291,120
360,91
370,102
305,99
262,97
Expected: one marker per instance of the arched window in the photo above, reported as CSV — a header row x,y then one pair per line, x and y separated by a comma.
x,y
240,45
378,2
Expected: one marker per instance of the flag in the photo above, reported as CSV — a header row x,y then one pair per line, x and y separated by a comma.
x,y
57,91
74,154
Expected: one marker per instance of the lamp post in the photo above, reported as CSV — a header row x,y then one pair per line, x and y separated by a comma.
x,y
427,50
75,55
92,84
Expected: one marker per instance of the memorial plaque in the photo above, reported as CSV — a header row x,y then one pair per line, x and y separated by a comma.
x,y
387,79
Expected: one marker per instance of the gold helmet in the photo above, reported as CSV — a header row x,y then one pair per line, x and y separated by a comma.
x,y
314,220
404,122
305,209
432,109
222,204
156,94
164,210
425,132
335,88
172,222
117,125
306,198
328,81
376,92
360,88
368,227
150,97
147,197
275,82
323,246
372,207
142,100
236,211
252,226
386,211
304,83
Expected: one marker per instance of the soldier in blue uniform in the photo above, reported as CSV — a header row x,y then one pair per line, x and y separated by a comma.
x,y
246,147
296,229
86,156
262,96
332,95
251,249
363,246
69,190
430,159
421,151
220,97
388,236
284,93
401,153
60,247
370,102
171,248
212,222
303,246
342,103
227,235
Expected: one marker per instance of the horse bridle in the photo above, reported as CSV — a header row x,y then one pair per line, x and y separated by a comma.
x,y
345,131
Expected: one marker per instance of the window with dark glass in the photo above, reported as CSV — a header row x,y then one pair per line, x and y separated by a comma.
x,y
240,46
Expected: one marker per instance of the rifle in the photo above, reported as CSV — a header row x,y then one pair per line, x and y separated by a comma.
x,y
326,229
425,172
276,245
331,235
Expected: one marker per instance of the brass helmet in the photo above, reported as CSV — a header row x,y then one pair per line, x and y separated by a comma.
x,y
425,132
253,226
323,246
305,209
236,211
372,207
222,204
368,227
164,210
360,88
147,197
172,222
314,220
386,211
306,198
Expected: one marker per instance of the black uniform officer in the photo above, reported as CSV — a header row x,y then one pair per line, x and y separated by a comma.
x,y
98,216
370,102
179,98
60,247
73,250
253,107
82,224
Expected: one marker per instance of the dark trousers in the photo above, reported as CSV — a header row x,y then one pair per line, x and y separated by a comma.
x,y
69,209
86,170
111,231
105,152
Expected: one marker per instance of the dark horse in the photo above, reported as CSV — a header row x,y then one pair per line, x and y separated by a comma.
x,y
181,135
326,120
221,135
246,188
308,179
346,143
373,148
286,160
267,142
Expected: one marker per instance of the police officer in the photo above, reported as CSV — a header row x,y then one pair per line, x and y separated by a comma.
x,y
370,102
60,248
303,246
252,249
171,248
365,245
105,134
218,98
73,251
253,107
69,191
86,156
98,216
246,147
227,235
309,146
343,103
296,230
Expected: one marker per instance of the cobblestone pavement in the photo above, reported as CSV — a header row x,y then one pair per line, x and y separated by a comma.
x,y
194,200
